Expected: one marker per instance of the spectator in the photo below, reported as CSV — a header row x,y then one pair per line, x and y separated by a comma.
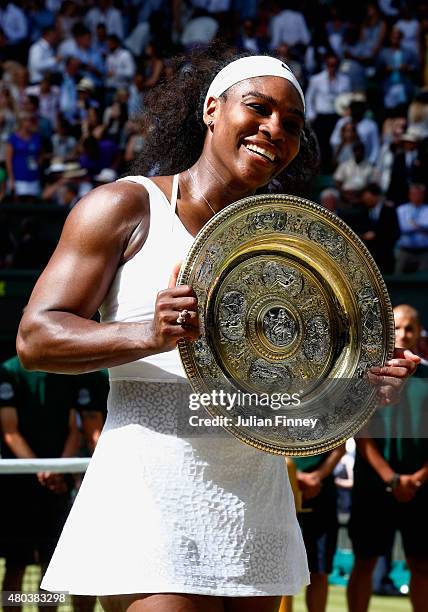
x,y
367,128
68,98
396,68
355,174
153,65
200,31
63,142
120,65
23,153
321,94
37,419
412,255
105,13
344,150
373,32
92,64
318,521
392,133
353,59
408,165
42,58
48,97
136,95
409,27
67,18
383,230
248,39
330,199
39,17
289,26
391,472
14,24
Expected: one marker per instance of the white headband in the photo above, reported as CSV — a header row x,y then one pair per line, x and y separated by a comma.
x,y
248,68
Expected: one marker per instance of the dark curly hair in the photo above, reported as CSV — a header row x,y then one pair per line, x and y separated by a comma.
x,y
172,120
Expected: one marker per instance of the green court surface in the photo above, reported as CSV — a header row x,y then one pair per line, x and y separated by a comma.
x,y
336,602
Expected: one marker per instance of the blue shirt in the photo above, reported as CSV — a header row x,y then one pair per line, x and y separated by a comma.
x,y
25,160
413,222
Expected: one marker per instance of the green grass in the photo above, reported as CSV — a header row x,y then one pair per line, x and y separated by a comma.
x,y
336,601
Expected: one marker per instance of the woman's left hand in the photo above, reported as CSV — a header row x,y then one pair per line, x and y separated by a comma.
x,y
390,377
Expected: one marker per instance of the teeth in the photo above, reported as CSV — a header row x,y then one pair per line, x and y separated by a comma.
x,y
260,151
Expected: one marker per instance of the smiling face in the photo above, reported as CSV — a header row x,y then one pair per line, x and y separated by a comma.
x,y
256,130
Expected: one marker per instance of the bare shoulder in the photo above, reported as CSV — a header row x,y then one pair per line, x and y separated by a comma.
x,y
110,213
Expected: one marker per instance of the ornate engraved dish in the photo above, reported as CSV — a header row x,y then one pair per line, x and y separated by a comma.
x,y
291,304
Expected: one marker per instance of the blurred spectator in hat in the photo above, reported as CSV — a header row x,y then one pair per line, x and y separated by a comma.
x,y
408,165
105,13
120,64
61,174
367,129
248,40
23,152
417,113
68,98
322,91
412,254
397,68
383,229
48,96
42,58
356,173
107,175
289,26
200,30
85,99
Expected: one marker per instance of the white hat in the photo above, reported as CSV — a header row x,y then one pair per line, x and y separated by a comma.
x,y
107,175
85,84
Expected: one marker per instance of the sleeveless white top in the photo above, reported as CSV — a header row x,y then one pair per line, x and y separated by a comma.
x,y
133,292
167,510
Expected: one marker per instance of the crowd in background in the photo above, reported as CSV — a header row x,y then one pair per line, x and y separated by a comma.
x,y
74,76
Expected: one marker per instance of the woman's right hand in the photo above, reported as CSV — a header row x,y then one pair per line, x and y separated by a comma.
x,y
166,331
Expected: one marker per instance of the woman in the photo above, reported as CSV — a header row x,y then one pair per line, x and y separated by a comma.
x,y
23,153
165,522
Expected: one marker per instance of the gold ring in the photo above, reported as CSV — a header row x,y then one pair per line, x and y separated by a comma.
x,y
183,315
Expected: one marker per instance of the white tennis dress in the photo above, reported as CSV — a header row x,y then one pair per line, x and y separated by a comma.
x,y
159,512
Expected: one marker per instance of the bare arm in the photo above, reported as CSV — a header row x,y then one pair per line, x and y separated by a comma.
x,y
72,443
12,436
56,333
9,167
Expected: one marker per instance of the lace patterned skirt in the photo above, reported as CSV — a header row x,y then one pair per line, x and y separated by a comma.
x,y
162,512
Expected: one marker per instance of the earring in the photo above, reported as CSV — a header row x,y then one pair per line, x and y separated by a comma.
x,y
210,123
